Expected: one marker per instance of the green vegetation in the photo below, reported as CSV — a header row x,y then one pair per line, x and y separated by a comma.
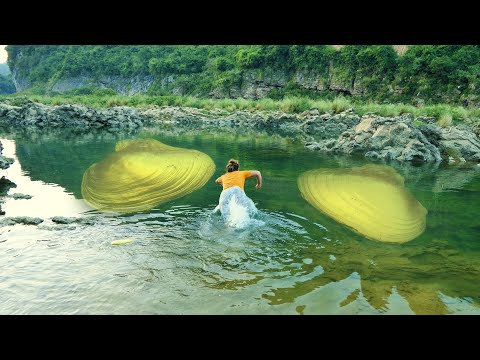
x,y
429,74
440,112
445,120
454,153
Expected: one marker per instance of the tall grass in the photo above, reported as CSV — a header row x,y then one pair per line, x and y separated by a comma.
x,y
444,114
340,104
445,120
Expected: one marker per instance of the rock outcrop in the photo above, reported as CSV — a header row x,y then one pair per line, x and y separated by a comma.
x,y
462,140
377,138
328,126
5,184
37,115
26,220
372,136
5,162
124,86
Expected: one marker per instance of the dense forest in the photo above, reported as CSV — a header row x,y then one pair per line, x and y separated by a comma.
x,y
425,73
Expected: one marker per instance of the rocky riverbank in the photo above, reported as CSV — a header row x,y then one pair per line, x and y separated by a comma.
x,y
401,138
5,184
5,162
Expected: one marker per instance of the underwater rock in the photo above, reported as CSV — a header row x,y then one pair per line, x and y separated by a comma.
x,y
142,174
371,200
63,220
18,196
5,162
69,220
26,220
6,185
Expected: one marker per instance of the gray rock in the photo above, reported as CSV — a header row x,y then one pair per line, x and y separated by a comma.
x,y
26,220
461,139
329,127
383,138
63,220
80,220
87,221
373,155
415,151
379,137
6,185
5,162
72,116
17,196
432,132
7,222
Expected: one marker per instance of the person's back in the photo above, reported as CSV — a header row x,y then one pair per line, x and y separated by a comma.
x,y
236,207
235,177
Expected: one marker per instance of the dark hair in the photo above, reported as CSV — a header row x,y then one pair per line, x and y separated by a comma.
x,y
232,165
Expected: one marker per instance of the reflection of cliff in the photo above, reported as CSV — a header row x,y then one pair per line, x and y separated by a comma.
x,y
420,273
62,158
456,178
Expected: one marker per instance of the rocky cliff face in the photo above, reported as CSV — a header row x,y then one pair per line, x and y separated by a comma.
x,y
257,84
124,86
21,83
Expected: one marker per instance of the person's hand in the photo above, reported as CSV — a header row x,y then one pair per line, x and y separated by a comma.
x,y
258,186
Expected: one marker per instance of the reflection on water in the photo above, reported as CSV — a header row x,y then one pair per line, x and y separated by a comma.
x,y
142,174
48,199
183,259
370,199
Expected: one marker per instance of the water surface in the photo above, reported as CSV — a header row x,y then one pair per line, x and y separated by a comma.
x,y
184,260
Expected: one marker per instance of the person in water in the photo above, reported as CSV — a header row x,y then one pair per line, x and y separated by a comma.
x,y
236,207
235,177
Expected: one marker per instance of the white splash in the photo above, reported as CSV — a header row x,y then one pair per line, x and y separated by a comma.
x,y
237,208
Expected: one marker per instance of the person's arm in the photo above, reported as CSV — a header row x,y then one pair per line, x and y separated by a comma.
x,y
219,181
258,175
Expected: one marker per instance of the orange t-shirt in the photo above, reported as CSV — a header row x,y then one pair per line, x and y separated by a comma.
x,y
235,178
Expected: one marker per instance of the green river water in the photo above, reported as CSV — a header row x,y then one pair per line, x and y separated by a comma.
x,y
184,260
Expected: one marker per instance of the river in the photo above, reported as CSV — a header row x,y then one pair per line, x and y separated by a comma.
x,y
184,260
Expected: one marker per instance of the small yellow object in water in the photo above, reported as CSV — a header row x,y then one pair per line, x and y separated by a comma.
x,y
142,174
371,200
122,241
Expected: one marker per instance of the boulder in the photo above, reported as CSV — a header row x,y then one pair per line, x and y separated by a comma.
x,y
461,139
